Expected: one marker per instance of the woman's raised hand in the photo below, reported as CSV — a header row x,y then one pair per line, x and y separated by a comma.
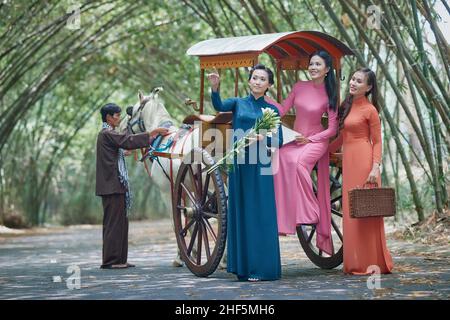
x,y
214,80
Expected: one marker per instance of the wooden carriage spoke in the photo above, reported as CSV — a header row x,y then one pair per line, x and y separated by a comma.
x,y
335,188
336,199
183,232
211,230
199,179
336,228
335,212
206,240
191,243
199,243
311,235
194,183
205,188
338,174
210,214
189,194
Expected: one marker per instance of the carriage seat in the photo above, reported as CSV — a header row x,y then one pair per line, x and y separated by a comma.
x,y
219,118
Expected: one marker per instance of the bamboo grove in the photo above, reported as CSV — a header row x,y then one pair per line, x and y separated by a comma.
x,y
53,80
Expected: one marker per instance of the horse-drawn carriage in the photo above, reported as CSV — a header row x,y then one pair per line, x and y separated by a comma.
x,y
199,199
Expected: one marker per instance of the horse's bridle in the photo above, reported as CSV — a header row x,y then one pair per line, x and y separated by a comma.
x,y
139,120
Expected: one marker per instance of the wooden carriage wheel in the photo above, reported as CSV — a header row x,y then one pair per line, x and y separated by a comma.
x,y
199,213
307,233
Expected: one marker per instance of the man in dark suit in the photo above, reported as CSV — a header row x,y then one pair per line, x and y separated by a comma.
x,y
112,184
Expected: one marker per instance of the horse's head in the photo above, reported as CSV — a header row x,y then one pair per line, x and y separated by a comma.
x,y
147,114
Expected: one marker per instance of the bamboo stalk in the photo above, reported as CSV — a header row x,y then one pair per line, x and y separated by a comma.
x,y
426,141
415,194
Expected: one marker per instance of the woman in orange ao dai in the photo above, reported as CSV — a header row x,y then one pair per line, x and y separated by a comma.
x,y
360,137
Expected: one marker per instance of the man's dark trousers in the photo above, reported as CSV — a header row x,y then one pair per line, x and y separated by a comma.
x,y
115,230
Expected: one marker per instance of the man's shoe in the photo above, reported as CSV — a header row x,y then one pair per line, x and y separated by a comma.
x,y
115,266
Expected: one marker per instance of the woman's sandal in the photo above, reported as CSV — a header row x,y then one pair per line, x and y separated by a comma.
x,y
253,279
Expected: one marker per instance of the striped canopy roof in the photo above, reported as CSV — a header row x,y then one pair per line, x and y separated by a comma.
x,y
281,46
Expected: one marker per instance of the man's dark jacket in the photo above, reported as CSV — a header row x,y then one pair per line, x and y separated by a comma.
x,y
108,144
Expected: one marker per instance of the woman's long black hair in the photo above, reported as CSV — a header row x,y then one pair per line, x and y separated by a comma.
x,y
346,105
330,78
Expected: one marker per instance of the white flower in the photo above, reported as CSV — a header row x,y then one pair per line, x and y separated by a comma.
x,y
266,125
268,111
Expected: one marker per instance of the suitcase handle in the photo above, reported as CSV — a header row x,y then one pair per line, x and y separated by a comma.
x,y
368,185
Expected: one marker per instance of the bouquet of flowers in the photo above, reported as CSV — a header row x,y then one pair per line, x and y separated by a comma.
x,y
267,124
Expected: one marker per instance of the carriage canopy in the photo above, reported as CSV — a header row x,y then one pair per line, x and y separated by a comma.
x,y
290,50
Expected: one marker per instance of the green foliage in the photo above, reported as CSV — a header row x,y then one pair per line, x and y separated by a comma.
x,y
48,160
53,80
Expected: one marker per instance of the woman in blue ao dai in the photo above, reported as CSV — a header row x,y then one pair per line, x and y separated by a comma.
x,y
253,251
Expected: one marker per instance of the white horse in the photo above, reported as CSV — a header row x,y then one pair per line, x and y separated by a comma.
x,y
150,113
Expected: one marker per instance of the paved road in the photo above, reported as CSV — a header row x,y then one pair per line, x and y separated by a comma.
x,y
36,267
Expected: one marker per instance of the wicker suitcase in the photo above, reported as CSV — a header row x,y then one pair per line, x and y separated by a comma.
x,y
372,202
